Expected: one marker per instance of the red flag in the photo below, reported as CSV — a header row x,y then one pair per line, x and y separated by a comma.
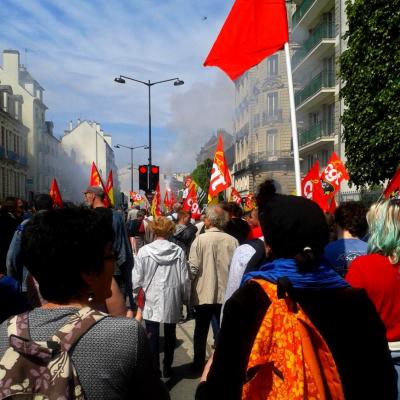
x,y
249,202
110,188
254,30
220,178
166,200
172,199
191,204
311,187
393,187
95,180
55,194
332,206
332,176
235,196
156,203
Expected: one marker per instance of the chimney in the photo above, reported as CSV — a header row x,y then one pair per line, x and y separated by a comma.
x,y
11,65
78,121
70,126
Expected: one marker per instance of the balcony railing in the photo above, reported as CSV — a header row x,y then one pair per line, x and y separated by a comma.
x,y
12,156
275,116
240,165
322,31
321,81
320,130
269,156
301,11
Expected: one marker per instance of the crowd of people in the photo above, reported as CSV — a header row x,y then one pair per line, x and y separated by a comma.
x,y
301,304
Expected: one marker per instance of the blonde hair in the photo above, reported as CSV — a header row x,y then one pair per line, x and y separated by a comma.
x,y
384,228
162,226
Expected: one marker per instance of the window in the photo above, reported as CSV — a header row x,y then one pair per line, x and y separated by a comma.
x,y
273,65
3,136
324,158
272,103
272,135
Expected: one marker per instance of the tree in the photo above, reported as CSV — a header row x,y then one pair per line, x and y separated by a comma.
x,y
370,69
201,174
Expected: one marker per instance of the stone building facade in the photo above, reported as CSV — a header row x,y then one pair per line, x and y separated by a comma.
x,y
13,145
262,127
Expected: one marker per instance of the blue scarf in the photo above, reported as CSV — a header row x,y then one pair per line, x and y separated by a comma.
x,y
322,277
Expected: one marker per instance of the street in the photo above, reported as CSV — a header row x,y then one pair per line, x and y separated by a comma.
x,y
183,384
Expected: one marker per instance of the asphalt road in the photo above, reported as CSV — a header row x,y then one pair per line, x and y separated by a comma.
x,y
182,385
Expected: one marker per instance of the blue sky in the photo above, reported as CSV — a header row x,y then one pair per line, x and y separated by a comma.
x,y
77,47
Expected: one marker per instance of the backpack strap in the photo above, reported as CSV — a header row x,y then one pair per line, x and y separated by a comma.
x,y
76,327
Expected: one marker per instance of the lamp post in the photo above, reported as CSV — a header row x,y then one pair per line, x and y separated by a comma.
x,y
118,146
149,84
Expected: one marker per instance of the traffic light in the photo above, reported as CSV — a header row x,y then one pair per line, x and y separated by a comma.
x,y
154,176
143,177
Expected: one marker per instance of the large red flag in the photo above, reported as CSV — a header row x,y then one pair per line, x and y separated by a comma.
x,y
332,176
311,187
393,187
191,204
220,178
254,30
55,194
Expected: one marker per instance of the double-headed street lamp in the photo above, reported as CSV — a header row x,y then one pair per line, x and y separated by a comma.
x,y
118,146
149,84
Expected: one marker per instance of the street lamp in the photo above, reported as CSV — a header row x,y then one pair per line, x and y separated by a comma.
x,y
118,146
149,84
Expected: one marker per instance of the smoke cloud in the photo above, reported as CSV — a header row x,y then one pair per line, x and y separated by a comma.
x,y
195,115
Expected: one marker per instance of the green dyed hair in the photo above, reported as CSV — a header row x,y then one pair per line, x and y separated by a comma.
x,y
384,229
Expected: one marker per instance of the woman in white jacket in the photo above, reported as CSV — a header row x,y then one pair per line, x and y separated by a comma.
x,y
161,271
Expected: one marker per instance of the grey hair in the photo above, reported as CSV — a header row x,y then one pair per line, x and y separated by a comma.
x,y
217,217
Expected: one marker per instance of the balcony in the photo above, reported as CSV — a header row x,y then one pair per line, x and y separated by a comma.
x,y
317,134
301,10
317,45
316,91
240,166
308,11
271,117
12,156
268,156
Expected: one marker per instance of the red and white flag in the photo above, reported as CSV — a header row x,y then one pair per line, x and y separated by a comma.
x,y
311,187
220,178
333,175
254,30
235,196
191,204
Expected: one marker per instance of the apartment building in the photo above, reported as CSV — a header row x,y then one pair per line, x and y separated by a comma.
x,y
262,127
316,30
42,146
13,145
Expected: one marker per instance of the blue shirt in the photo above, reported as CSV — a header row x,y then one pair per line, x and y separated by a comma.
x,y
342,252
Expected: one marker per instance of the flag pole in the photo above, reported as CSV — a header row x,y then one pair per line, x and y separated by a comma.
x,y
293,121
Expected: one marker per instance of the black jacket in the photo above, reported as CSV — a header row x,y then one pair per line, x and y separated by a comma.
x,y
347,320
